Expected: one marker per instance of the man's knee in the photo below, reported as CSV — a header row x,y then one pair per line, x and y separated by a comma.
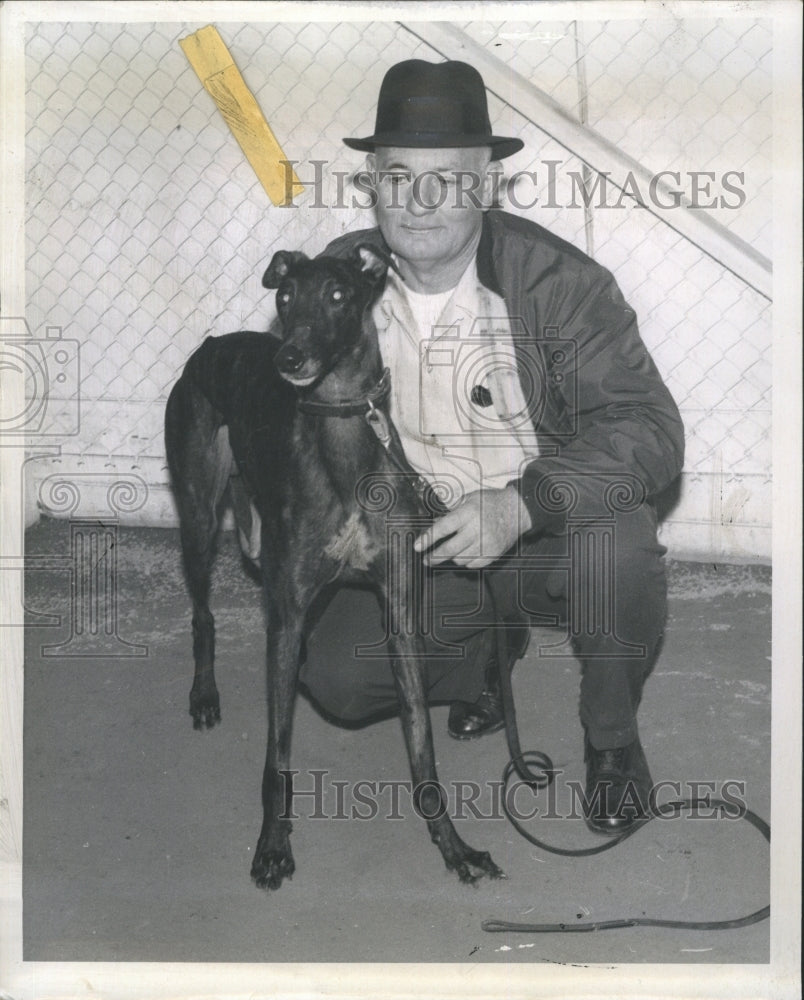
x,y
339,694
626,540
625,573
636,550
603,573
623,532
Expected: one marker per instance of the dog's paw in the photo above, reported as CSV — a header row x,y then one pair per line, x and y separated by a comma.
x,y
471,866
205,709
271,867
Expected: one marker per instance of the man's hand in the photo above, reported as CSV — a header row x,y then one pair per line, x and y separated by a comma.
x,y
480,530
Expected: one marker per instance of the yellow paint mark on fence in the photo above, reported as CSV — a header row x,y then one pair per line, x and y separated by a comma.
x,y
215,68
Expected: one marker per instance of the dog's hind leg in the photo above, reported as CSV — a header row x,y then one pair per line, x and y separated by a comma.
x,y
200,461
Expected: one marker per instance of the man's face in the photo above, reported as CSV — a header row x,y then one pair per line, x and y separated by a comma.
x,y
430,201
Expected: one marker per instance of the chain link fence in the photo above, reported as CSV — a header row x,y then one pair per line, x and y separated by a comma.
x,y
147,229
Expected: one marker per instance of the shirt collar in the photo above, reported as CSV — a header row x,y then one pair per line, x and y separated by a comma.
x,y
394,301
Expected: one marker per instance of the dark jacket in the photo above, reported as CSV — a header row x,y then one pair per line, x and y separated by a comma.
x,y
601,411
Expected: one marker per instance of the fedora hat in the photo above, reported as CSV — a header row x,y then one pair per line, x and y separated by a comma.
x,y
425,105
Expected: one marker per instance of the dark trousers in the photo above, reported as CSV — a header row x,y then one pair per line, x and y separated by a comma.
x,y
601,583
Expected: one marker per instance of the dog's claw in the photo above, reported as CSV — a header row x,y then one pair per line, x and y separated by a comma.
x,y
206,711
474,866
270,871
205,720
273,862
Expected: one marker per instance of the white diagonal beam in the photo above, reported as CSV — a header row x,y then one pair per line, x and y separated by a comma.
x,y
598,152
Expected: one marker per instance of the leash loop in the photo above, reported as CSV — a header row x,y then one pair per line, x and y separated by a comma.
x,y
523,764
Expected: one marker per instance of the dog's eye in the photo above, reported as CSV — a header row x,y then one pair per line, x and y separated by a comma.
x,y
337,295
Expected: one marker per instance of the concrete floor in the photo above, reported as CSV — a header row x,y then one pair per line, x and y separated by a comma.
x,y
139,831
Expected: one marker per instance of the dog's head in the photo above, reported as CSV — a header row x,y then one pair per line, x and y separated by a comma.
x,y
321,306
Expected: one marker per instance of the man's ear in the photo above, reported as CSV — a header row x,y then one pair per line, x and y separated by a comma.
x,y
281,263
489,193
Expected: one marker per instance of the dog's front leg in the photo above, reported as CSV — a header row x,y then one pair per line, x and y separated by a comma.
x,y
273,859
429,799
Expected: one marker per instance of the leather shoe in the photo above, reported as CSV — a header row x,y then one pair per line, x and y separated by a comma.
x,y
618,785
471,720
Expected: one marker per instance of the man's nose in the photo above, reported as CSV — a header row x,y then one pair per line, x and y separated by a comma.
x,y
424,195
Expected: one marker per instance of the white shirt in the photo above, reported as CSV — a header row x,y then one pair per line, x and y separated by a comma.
x,y
443,350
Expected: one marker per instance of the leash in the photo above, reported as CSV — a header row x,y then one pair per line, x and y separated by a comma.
x,y
670,809
536,770
380,424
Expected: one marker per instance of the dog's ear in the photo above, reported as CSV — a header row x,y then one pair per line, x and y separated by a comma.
x,y
281,263
373,262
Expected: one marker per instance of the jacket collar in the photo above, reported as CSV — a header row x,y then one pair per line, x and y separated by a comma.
x,y
486,272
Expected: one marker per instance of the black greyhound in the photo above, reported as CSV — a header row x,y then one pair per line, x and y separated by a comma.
x,y
302,431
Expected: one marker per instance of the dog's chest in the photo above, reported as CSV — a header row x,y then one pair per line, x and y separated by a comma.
x,y
353,545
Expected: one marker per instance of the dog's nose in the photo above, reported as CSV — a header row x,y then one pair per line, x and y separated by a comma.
x,y
289,359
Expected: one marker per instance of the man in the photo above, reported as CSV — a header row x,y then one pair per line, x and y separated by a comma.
x,y
520,381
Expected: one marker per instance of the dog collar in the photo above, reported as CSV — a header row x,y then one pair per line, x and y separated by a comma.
x,y
350,407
